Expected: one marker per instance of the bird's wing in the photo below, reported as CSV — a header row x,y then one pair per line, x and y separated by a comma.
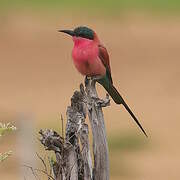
x,y
104,57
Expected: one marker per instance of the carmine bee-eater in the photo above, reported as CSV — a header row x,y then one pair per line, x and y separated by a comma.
x,y
91,59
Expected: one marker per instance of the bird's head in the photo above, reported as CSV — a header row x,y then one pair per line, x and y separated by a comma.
x,y
81,33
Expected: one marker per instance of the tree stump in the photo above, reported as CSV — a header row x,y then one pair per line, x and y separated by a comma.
x,y
73,156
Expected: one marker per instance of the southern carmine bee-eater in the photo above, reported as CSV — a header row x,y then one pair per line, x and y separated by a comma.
x,y
91,59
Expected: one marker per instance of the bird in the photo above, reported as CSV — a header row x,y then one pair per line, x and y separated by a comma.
x,y
91,59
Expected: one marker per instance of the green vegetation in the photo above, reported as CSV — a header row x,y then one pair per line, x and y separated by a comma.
x,y
106,5
5,128
126,142
120,147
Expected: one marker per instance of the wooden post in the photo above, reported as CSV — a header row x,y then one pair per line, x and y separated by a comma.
x,y
73,157
96,118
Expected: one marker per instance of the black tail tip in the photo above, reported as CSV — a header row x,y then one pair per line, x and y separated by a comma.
x,y
145,134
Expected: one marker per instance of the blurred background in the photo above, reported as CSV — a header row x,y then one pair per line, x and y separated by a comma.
x,y
37,79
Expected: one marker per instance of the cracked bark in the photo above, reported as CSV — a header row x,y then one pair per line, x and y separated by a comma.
x,y
73,156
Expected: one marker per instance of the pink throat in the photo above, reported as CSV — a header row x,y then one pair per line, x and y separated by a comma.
x,y
78,41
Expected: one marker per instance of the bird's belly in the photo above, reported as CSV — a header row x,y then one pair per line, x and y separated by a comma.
x,y
87,62
91,67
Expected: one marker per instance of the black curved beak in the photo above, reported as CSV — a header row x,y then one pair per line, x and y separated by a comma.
x,y
70,32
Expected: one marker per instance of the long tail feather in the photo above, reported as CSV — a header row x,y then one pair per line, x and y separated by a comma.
x,y
119,100
135,119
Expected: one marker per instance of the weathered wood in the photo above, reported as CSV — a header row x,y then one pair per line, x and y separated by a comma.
x,y
53,142
76,114
73,154
86,154
100,146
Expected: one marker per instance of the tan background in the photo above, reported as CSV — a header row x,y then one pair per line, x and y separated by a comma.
x,y
37,77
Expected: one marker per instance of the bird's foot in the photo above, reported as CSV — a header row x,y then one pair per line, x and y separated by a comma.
x,y
91,78
96,78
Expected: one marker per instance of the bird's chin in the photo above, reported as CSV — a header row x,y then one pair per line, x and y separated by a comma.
x,y
81,41
74,38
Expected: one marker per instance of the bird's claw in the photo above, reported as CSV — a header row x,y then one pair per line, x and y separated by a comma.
x,y
96,78
92,79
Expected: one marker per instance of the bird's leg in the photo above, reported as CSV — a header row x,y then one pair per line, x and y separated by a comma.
x,y
92,78
96,77
98,101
